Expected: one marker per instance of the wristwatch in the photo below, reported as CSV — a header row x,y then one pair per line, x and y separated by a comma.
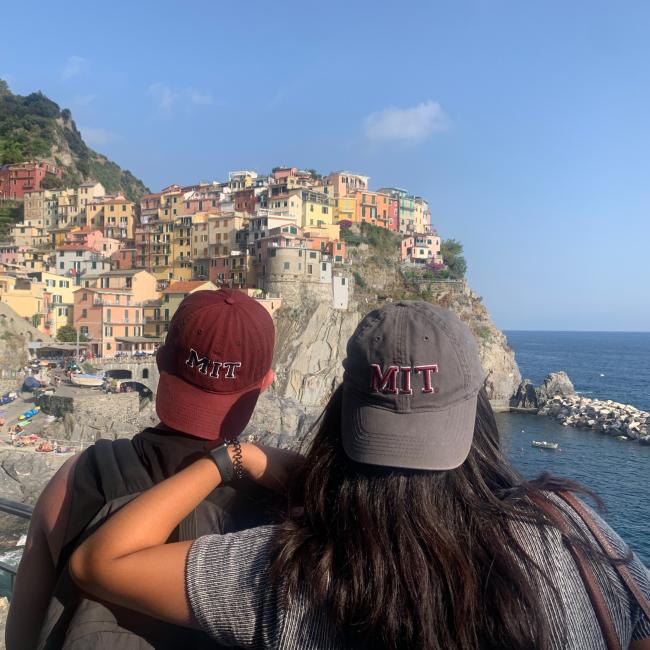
x,y
229,469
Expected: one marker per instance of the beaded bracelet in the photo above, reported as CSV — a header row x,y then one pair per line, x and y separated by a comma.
x,y
237,461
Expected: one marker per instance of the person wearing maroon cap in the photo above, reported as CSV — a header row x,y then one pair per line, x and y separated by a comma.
x,y
215,362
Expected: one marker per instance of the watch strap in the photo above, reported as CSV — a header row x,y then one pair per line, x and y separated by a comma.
x,y
222,460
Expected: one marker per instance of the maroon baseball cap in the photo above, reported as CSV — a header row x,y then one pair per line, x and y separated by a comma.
x,y
218,350
410,388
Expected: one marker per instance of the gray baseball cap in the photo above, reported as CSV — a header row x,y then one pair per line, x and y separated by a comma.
x,y
411,381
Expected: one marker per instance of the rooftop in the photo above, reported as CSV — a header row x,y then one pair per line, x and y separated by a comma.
x,y
185,286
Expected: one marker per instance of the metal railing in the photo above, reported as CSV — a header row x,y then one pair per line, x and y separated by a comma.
x,y
17,510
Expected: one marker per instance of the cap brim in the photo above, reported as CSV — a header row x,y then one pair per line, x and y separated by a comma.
x,y
200,413
432,440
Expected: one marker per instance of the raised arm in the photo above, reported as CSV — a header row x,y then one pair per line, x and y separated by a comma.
x,y
127,561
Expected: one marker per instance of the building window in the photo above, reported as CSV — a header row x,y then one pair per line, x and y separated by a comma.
x,y
286,266
342,282
324,266
84,313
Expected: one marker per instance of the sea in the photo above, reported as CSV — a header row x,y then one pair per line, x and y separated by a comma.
x,y
602,365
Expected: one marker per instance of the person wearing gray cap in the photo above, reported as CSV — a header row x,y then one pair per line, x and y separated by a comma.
x,y
407,526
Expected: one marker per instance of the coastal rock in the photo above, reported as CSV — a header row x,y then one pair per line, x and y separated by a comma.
x,y
525,397
556,384
610,418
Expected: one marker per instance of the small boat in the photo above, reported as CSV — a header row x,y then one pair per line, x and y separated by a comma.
x,y
542,444
92,381
622,438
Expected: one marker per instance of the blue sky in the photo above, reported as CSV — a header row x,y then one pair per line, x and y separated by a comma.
x,y
525,125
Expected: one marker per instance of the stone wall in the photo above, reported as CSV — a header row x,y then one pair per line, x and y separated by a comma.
x,y
293,293
143,371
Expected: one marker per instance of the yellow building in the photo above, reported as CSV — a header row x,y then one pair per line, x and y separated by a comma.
x,y
172,204
318,210
200,235
173,296
329,231
113,215
162,250
61,300
307,208
421,215
182,249
222,233
26,297
346,209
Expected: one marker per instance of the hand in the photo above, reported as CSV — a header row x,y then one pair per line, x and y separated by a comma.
x,y
269,466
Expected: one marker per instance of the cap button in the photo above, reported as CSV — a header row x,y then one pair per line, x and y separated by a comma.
x,y
229,301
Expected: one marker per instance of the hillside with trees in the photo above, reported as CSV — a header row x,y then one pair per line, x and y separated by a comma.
x,y
34,127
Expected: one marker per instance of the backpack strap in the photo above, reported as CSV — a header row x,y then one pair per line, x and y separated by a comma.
x,y
120,470
608,549
592,586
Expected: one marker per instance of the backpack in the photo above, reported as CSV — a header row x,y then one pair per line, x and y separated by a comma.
x,y
115,475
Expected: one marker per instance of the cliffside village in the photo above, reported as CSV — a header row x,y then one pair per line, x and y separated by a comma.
x,y
116,271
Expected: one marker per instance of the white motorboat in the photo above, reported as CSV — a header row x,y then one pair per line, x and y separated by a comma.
x,y
542,444
92,381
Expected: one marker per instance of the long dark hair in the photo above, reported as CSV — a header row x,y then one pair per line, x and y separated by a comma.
x,y
417,559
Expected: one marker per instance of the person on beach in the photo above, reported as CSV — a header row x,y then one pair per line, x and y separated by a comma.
x,y
407,526
215,362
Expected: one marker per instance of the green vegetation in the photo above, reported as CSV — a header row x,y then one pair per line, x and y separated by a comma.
x,y
358,280
484,333
384,242
452,254
33,127
11,212
68,334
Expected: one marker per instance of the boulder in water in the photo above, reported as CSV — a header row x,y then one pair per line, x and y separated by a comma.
x,y
525,397
556,384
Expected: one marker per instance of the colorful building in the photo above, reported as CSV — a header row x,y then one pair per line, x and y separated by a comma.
x,y
113,215
113,309
173,295
422,249
59,308
182,249
75,261
26,297
236,271
18,178
339,184
123,259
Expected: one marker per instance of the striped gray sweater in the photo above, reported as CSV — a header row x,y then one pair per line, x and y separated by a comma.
x,y
230,594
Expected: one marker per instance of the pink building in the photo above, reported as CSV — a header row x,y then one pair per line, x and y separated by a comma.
x,y
336,250
93,239
123,259
422,249
12,254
